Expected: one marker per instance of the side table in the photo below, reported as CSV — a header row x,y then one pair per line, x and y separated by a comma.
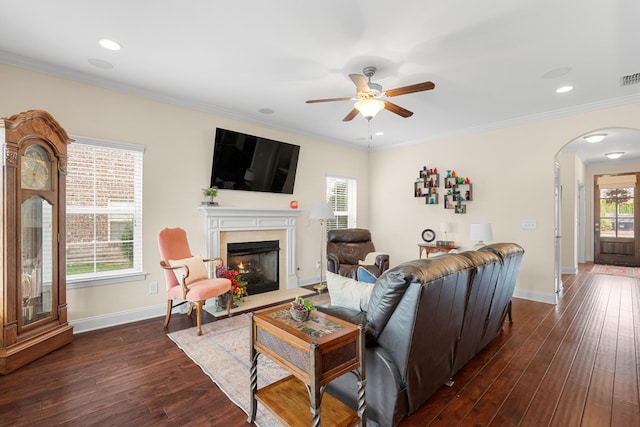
x,y
428,249
315,352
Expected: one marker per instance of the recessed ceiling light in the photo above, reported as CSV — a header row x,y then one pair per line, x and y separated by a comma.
x,y
100,63
564,89
614,155
379,133
109,44
266,111
595,138
556,72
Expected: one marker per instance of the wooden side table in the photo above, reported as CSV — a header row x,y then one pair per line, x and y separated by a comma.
x,y
428,249
315,352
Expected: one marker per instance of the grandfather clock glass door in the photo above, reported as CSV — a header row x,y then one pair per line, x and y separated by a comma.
x,y
37,259
37,235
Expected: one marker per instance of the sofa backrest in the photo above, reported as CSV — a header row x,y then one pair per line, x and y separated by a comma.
x,y
421,333
482,287
349,245
511,256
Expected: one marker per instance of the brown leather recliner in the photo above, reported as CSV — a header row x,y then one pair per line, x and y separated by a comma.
x,y
346,249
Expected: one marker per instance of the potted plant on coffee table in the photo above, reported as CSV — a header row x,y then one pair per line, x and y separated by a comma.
x,y
300,309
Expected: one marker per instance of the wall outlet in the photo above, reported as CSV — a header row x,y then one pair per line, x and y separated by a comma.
x,y
318,264
153,287
529,224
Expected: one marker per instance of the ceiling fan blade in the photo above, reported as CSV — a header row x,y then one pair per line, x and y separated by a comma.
x,y
351,115
360,81
313,101
419,87
403,112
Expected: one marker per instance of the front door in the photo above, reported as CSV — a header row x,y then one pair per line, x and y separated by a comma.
x,y
616,214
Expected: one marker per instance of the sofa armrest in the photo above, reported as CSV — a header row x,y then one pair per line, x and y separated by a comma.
x,y
347,314
382,262
333,264
386,392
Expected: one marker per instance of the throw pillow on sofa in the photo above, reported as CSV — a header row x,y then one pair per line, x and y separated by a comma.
x,y
347,292
366,276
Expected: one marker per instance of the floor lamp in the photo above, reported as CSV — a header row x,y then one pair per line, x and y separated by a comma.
x,y
322,212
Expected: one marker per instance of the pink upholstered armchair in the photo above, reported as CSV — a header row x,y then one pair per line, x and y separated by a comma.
x,y
187,277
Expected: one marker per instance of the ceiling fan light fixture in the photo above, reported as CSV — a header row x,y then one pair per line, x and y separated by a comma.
x,y
595,138
614,155
369,107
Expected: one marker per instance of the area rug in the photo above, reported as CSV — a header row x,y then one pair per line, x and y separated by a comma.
x,y
615,270
222,351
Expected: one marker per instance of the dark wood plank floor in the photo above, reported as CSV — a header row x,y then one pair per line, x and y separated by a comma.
x,y
573,364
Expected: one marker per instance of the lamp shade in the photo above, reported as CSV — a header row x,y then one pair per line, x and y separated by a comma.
x,y
321,211
445,227
480,232
369,107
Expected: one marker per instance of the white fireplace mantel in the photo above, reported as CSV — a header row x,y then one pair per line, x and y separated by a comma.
x,y
224,219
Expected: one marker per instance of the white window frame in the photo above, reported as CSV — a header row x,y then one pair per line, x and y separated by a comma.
x,y
352,199
133,274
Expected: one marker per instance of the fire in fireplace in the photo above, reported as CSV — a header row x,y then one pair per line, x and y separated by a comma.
x,y
258,263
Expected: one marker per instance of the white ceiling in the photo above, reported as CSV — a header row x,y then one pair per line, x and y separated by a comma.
x,y
493,62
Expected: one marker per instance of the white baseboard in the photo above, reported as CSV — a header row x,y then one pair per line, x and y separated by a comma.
x,y
113,319
135,315
569,270
536,296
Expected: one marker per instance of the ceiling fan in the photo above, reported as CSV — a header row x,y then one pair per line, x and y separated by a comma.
x,y
368,96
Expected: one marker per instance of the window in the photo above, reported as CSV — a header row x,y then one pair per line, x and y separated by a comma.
x,y
341,196
617,212
104,212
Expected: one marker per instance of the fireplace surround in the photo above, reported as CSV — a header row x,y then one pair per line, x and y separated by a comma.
x,y
227,224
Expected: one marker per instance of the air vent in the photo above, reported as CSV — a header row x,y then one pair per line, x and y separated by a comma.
x,y
630,79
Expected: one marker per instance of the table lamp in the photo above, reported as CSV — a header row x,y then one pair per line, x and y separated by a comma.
x,y
480,232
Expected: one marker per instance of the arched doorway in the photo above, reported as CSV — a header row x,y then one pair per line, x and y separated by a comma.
x,y
579,161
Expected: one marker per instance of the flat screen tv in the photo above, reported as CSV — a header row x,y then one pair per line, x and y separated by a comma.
x,y
252,163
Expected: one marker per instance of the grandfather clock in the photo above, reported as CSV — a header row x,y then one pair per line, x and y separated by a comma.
x,y
33,302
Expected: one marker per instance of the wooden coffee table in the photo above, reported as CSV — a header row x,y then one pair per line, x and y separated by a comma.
x,y
315,352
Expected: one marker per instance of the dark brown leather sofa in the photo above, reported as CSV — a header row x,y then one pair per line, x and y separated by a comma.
x,y
347,247
425,320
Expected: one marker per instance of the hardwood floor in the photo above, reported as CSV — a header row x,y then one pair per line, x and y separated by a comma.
x,y
573,364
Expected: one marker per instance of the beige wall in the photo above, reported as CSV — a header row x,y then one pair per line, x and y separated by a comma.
x,y
511,170
177,164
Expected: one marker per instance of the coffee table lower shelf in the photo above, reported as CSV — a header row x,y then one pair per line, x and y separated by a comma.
x,y
288,399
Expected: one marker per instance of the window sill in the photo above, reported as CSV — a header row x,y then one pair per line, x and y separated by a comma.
x,y
105,280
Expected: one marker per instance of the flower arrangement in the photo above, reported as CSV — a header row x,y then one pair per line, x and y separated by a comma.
x,y
238,285
238,288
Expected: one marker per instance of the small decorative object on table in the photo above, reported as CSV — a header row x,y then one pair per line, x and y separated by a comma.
x,y
300,309
210,195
